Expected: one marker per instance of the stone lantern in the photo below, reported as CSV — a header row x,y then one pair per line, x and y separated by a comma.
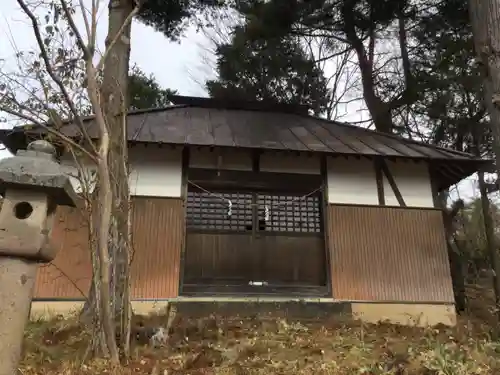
x,y
33,184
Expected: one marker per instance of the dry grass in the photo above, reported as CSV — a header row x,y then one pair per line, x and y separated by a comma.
x,y
275,346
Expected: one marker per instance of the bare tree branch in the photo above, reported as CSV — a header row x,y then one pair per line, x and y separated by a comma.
x,y
85,20
48,65
50,130
71,22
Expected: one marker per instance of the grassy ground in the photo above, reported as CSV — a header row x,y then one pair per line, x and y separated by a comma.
x,y
277,346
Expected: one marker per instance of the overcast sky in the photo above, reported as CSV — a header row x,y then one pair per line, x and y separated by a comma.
x,y
173,64
177,66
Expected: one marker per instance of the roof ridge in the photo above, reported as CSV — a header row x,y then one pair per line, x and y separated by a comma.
x,y
156,109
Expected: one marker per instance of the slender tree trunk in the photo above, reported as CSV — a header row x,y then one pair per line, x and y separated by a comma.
x,y
485,19
457,276
489,232
101,260
90,313
454,251
113,96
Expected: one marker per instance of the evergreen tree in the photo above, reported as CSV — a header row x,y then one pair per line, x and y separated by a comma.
x,y
359,25
451,100
272,69
170,17
145,91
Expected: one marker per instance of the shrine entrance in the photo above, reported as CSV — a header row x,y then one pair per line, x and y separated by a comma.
x,y
254,241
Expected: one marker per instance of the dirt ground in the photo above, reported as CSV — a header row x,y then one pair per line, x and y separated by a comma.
x,y
267,345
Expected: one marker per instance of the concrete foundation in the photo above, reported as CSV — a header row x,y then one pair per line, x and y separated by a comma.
x,y
411,314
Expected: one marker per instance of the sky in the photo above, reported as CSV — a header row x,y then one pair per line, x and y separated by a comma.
x,y
176,65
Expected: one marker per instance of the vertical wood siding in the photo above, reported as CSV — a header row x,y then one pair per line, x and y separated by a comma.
x,y
69,275
157,237
388,254
240,258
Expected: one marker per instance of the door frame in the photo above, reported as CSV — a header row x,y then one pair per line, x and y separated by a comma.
x,y
257,182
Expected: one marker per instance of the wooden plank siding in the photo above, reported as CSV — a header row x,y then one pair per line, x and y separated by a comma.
x,y
241,258
69,275
376,254
388,254
157,237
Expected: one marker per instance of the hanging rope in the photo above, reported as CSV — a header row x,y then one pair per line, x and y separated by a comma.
x,y
267,213
220,196
268,208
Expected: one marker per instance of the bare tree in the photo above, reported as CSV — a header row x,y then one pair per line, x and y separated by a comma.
x,y
114,95
337,61
55,88
222,22
339,65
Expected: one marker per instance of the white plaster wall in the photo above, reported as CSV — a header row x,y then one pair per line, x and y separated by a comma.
x,y
289,163
155,171
351,180
242,160
413,181
239,160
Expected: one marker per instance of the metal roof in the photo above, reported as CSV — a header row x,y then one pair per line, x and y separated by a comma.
x,y
203,122
275,131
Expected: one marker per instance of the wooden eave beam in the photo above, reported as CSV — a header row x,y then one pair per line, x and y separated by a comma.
x,y
229,179
392,183
379,177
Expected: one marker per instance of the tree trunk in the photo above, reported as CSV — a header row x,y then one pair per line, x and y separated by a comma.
x,y
455,255
485,19
90,303
489,232
89,313
113,96
457,276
